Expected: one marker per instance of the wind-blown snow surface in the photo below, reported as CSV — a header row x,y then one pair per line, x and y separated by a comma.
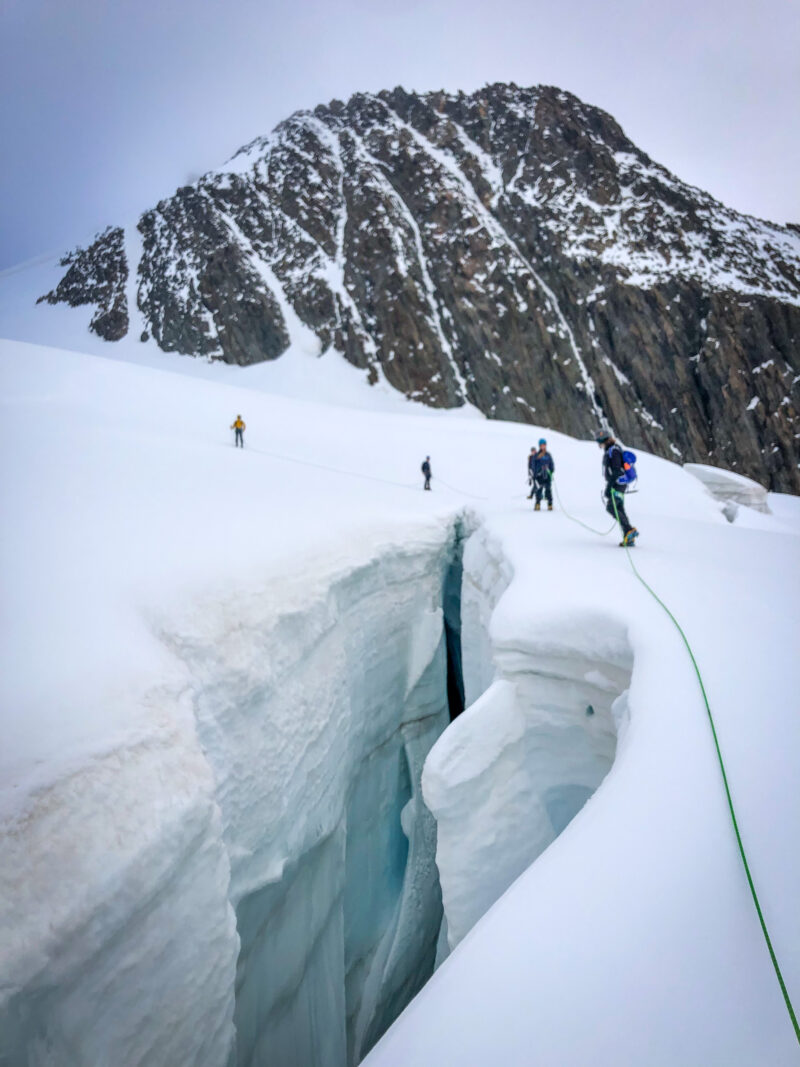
x,y
221,673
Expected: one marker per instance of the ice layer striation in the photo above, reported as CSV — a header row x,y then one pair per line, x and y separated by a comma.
x,y
264,890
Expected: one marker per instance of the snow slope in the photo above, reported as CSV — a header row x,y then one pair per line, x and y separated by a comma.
x,y
170,596
203,650
300,372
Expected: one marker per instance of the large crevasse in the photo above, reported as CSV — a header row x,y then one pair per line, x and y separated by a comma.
x,y
276,899
317,728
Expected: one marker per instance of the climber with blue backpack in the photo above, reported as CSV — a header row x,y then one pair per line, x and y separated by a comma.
x,y
619,473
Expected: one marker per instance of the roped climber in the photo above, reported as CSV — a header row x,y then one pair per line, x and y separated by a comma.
x,y
614,470
541,469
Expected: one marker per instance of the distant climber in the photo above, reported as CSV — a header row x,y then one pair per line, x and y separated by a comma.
x,y
239,426
426,470
614,472
540,475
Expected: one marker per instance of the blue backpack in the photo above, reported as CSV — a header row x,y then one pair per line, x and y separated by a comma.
x,y
630,476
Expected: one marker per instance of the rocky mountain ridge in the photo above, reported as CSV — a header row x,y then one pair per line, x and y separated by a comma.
x,y
510,248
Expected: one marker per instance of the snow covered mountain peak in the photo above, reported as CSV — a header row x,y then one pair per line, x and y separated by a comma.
x,y
510,248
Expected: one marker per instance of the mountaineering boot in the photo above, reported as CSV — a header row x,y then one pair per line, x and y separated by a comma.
x,y
537,506
549,507
629,540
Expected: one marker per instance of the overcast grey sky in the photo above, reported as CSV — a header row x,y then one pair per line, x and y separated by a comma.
x,y
109,105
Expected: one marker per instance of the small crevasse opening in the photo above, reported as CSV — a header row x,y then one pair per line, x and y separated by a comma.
x,y
451,602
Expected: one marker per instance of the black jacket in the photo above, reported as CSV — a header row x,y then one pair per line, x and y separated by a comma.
x,y
541,466
613,465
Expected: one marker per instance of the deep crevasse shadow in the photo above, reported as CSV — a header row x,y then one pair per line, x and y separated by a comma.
x,y
317,724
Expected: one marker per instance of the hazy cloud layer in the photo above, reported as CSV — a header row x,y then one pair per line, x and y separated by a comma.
x,y
108,105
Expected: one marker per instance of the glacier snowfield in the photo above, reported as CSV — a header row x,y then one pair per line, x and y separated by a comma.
x,y
234,809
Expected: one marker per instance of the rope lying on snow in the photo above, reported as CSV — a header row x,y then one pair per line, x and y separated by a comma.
x,y
600,533
356,474
463,492
728,796
330,469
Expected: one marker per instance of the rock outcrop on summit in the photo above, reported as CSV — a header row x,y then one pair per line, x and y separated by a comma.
x,y
510,248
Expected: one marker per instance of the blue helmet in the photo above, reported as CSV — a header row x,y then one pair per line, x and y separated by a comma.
x,y
542,441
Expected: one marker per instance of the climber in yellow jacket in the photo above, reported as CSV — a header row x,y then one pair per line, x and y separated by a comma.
x,y
239,426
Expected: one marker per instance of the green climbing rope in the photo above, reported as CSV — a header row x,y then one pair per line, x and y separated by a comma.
x,y
600,533
739,842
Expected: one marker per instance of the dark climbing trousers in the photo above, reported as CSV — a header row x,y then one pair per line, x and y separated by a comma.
x,y
619,499
546,488
239,443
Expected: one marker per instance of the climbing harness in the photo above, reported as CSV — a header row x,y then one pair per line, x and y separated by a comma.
x,y
728,796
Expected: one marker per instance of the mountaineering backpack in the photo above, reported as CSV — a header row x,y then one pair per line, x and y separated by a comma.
x,y
630,476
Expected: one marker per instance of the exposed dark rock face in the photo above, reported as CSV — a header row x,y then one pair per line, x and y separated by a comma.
x,y
511,248
200,288
97,275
